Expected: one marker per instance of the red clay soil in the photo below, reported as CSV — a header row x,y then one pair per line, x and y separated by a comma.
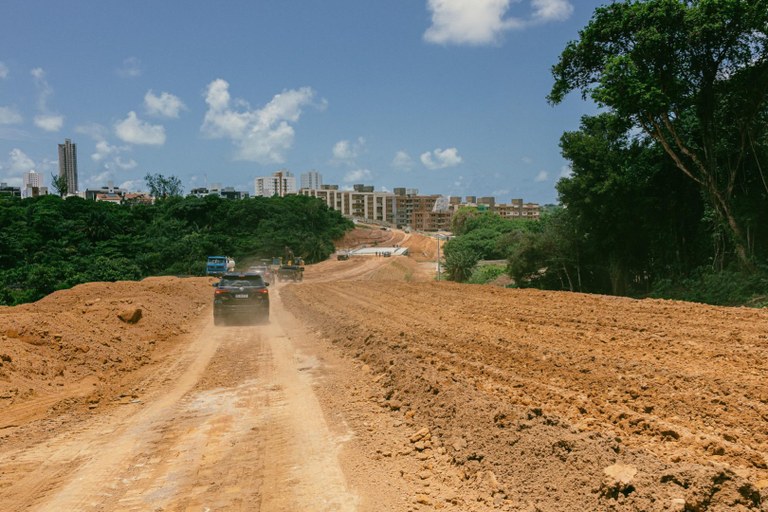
x,y
448,397
561,401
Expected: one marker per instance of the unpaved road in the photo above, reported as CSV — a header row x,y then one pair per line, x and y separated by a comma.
x,y
373,388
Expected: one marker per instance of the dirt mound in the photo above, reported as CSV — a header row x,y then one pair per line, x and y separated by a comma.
x,y
529,400
74,343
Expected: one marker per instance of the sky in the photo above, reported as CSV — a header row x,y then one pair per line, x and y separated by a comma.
x,y
445,96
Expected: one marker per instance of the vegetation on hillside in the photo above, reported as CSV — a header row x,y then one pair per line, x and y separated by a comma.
x,y
668,194
49,243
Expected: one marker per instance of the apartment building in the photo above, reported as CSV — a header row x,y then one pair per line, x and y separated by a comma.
x,y
281,183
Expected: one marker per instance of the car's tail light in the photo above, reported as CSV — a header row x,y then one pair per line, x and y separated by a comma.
x,y
264,291
220,292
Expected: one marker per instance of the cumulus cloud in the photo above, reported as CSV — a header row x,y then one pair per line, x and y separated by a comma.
x,y
461,22
165,105
3,71
441,158
49,123
481,22
9,115
566,171
19,162
358,176
402,161
46,120
542,176
135,131
130,68
347,152
551,10
125,163
261,135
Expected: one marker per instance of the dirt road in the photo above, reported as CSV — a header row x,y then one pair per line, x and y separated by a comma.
x,y
373,388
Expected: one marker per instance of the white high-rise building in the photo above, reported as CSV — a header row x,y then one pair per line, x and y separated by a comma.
x,y
281,183
33,182
312,180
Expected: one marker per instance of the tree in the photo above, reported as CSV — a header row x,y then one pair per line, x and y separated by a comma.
x,y
161,187
460,262
691,75
60,184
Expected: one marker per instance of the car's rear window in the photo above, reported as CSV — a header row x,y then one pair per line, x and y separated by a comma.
x,y
242,281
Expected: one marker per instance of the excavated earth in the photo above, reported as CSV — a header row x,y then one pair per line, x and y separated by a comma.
x,y
375,388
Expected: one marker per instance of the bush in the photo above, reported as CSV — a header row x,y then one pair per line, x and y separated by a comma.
x,y
724,288
486,273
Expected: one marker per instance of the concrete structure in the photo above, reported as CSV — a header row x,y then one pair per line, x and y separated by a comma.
x,y
281,183
406,209
68,165
109,193
367,206
33,185
216,190
9,191
312,179
517,209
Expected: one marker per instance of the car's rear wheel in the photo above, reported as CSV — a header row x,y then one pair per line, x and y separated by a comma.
x,y
218,320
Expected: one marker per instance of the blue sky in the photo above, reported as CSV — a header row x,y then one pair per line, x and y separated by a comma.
x,y
446,96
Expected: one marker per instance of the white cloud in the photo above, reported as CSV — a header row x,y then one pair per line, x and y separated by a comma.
x,y
358,176
130,68
165,105
402,161
566,171
19,162
125,165
260,135
133,185
481,22
527,160
474,22
551,10
347,152
49,123
9,115
441,158
46,120
3,71
542,176
135,131
500,192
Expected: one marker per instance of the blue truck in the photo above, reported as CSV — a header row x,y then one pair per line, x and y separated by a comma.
x,y
219,265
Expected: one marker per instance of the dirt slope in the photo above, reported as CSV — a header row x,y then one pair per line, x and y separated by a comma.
x,y
375,388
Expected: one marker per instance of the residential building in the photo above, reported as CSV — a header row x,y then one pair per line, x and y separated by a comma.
x,y
517,209
9,191
312,179
68,164
109,193
362,204
281,183
33,185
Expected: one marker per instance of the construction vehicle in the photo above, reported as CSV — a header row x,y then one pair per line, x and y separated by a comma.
x,y
219,265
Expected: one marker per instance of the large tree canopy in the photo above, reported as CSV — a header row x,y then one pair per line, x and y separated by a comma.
x,y
693,75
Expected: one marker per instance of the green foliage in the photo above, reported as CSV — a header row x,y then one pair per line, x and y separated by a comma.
x,y
724,288
162,187
59,184
690,75
484,274
460,263
48,243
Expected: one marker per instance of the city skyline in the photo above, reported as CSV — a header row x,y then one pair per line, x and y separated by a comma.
x,y
446,96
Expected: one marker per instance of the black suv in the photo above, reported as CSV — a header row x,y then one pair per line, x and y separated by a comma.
x,y
242,295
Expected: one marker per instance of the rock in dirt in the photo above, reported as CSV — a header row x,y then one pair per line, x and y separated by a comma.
x,y
130,316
